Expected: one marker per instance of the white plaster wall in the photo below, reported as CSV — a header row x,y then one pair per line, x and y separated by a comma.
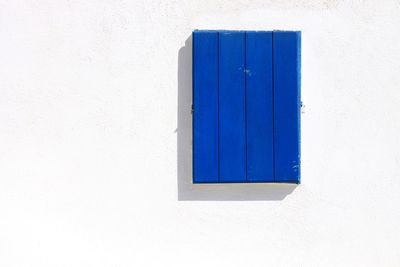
x,y
95,138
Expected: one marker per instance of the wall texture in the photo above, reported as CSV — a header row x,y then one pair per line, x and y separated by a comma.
x,y
95,134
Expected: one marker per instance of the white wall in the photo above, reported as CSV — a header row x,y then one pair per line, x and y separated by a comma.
x,y
95,138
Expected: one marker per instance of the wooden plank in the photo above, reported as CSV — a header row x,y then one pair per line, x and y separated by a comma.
x,y
286,54
232,119
205,105
259,107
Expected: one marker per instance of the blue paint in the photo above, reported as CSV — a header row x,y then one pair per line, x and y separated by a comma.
x,y
205,105
259,107
246,96
232,117
287,106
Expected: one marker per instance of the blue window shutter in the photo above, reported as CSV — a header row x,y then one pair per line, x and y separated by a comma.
x,y
246,100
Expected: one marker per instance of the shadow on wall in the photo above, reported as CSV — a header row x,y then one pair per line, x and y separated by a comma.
x,y
208,192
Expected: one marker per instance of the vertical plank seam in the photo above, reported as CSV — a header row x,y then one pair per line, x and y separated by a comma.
x,y
245,99
273,103
218,71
